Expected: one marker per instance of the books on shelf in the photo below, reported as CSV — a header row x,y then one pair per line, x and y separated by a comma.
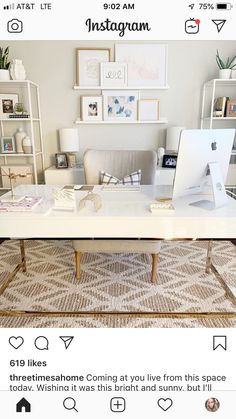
x,y
28,203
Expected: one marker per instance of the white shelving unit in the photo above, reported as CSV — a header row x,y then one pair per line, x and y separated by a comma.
x,y
211,90
28,93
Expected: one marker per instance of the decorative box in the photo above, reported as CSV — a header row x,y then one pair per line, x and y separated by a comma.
x,y
18,169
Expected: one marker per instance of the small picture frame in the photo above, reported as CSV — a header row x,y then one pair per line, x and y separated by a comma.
x,y
113,75
231,108
8,145
120,105
88,65
7,104
91,108
61,161
169,161
149,110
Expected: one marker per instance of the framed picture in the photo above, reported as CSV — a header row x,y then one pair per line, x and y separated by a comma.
x,y
231,108
147,63
8,145
120,105
149,110
113,74
7,104
91,107
220,106
88,65
61,161
170,161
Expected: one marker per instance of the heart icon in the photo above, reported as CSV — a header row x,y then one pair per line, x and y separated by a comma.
x,y
16,342
165,404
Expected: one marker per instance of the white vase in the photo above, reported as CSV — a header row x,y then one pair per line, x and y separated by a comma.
x,y
225,73
4,75
20,135
17,70
233,74
27,145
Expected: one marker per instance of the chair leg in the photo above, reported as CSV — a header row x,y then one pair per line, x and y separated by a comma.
x,y
77,263
22,252
209,256
155,258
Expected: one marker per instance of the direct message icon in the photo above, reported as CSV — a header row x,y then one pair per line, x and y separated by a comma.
x,y
16,342
67,340
165,404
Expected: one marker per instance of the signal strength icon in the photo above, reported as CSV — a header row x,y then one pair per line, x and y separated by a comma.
x,y
9,7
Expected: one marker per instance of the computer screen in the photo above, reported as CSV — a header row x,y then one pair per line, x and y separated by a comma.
x,y
198,148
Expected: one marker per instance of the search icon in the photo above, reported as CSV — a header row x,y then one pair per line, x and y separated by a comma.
x,y
70,404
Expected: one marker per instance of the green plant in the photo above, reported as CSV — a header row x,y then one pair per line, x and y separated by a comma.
x,y
19,108
4,63
228,64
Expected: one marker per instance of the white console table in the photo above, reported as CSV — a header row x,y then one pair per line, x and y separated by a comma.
x,y
75,175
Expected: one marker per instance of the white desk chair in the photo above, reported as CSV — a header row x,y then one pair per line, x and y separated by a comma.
x,y
119,163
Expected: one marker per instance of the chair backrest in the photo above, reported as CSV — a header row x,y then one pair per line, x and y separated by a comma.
x,y
120,163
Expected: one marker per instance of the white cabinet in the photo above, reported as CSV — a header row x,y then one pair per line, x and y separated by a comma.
x,y
211,91
27,93
75,176
70,176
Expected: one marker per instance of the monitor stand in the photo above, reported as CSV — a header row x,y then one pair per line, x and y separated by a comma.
x,y
219,194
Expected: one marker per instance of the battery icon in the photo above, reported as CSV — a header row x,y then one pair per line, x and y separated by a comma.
x,y
224,6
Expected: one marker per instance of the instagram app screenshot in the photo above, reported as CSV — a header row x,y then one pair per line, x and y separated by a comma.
x,y
117,209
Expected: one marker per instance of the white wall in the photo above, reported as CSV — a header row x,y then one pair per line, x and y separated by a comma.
x,y
51,64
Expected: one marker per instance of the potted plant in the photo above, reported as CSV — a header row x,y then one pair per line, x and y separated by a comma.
x,y
225,67
4,64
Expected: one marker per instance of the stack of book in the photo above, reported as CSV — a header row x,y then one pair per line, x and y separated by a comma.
x,y
28,203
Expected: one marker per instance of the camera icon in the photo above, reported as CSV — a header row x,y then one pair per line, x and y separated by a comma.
x,y
15,26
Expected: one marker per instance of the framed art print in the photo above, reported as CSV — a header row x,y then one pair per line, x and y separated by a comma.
x,y
231,108
88,65
120,105
61,161
113,75
147,63
91,107
149,110
7,104
8,145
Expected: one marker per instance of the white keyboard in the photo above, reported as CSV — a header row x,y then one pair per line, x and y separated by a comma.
x,y
121,188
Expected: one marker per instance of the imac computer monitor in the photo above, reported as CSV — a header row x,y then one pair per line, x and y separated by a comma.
x,y
202,165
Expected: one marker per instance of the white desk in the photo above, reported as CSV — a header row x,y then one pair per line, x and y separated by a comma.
x,y
123,214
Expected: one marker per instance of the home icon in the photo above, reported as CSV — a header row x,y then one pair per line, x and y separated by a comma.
x,y
23,406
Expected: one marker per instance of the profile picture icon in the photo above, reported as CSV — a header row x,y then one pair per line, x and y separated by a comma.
x,y
212,404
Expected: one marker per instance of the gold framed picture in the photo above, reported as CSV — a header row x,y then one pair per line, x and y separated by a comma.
x,y
231,108
88,62
149,109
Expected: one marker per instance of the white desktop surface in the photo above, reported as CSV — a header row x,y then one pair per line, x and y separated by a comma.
x,y
123,214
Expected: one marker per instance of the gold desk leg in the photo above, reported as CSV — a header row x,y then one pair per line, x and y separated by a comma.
x,y
209,257
21,265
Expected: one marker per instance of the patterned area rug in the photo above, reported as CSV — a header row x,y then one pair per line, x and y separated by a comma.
x,y
116,282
